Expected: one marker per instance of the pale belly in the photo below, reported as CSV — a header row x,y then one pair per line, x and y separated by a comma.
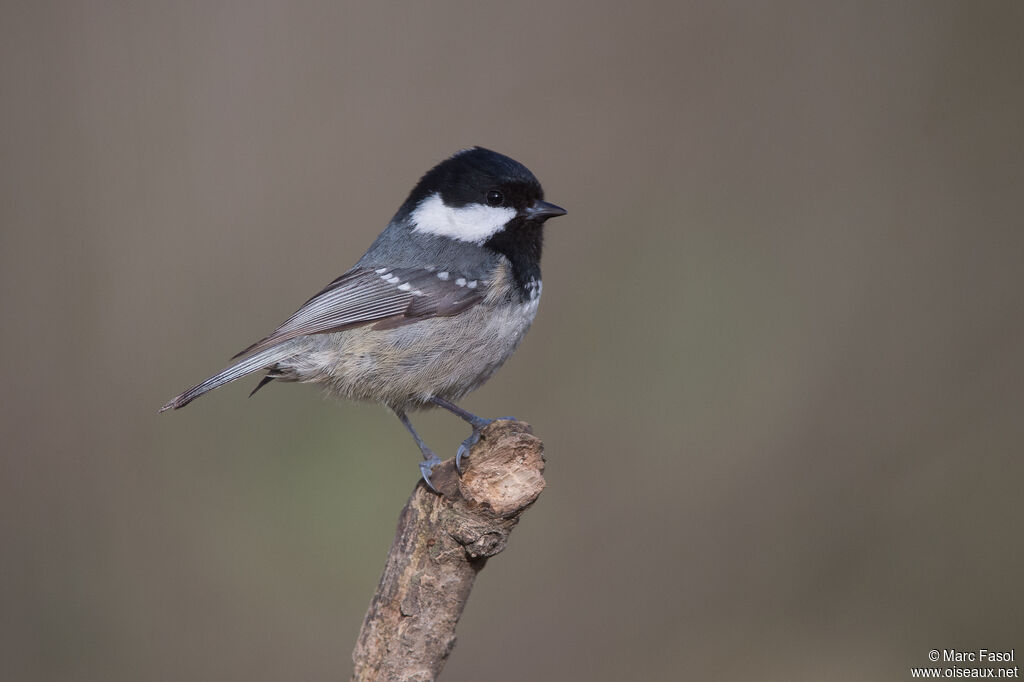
x,y
404,367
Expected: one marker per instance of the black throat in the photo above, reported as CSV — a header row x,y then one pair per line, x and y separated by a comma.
x,y
521,242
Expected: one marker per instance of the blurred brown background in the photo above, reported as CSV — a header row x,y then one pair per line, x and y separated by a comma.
x,y
778,367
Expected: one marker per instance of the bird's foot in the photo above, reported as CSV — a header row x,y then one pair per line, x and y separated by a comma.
x,y
427,467
474,438
464,449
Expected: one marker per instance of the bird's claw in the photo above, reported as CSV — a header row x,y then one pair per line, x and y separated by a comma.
x,y
427,467
464,449
473,439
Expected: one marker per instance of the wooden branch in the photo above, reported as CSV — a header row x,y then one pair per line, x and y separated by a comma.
x,y
442,541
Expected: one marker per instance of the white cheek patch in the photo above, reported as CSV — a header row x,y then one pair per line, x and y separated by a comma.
x,y
474,223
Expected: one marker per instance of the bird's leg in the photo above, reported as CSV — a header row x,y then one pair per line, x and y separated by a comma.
x,y
478,423
474,421
430,460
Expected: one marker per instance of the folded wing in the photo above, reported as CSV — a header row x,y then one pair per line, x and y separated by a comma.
x,y
388,297
384,297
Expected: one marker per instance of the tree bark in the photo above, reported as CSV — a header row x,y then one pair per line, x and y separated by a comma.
x,y
442,541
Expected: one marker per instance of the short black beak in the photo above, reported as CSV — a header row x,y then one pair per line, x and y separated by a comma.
x,y
542,210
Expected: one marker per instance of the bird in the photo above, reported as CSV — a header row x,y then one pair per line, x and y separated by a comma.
x,y
435,306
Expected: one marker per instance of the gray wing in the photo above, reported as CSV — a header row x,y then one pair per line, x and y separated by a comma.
x,y
386,297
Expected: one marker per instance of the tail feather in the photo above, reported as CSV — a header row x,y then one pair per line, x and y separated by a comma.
x,y
255,363
263,382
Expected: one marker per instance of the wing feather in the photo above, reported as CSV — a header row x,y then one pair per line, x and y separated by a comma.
x,y
389,297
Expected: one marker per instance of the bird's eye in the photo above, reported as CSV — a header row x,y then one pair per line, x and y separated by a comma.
x,y
494,198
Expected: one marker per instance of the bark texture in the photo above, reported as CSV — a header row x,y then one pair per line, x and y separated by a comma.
x,y
442,541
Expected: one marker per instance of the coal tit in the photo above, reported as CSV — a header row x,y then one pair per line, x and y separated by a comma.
x,y
440,300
